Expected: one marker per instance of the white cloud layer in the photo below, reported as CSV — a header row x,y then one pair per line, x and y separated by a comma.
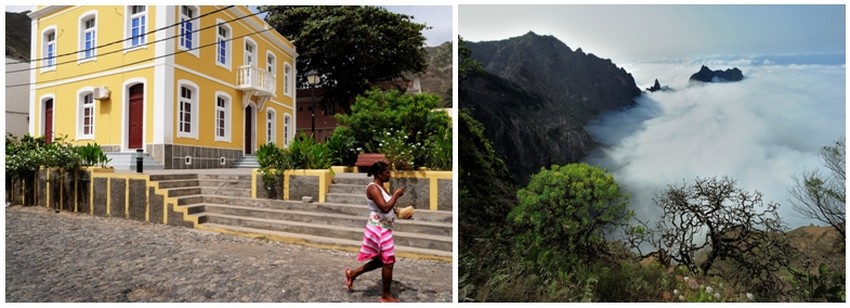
x,y
760,131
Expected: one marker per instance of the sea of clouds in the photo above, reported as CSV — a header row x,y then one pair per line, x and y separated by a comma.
x,y
761,131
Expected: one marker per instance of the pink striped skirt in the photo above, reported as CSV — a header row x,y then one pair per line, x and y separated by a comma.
x,y
377,242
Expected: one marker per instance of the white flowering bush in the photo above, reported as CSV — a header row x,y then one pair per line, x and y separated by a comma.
x,y
395,146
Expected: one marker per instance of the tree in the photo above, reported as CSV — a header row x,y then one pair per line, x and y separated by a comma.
x,y
726,223
351,47
821,197
467,65
377,113
564,213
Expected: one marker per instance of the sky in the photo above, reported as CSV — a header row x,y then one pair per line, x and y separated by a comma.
x,y
636,32
438,17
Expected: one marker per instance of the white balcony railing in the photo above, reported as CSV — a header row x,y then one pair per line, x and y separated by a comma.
x,y
252,78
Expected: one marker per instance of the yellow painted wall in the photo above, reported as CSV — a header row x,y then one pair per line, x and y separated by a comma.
x,y
108,112
203,71
109,28
111,66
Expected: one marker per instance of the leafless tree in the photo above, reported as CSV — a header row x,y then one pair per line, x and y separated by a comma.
x,y
821,197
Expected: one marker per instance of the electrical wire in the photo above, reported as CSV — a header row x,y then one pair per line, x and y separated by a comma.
x,y
154,58
134,47
127,39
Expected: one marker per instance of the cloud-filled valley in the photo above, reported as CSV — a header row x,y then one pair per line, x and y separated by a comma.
x,y
761,131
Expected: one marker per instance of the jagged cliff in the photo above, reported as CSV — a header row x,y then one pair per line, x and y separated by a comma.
x,y
535,96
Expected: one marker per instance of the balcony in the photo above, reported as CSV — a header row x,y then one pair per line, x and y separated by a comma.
x,y
255,82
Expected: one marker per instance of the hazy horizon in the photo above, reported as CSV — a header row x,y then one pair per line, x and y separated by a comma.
x,y
629,33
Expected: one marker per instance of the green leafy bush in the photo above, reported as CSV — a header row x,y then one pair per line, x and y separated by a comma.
x,y
343,147
563,215
92,155
378,112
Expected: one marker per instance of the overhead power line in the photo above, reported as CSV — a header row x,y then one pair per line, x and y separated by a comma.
x,y
121,50
154,58
129,38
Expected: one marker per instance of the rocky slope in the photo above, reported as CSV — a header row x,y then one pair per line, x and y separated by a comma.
x,y
535,96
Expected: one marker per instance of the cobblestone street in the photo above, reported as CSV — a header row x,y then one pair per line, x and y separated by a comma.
x,y
66,257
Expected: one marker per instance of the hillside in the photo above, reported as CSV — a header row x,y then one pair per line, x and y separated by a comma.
x,y
537,94
18,35
437,78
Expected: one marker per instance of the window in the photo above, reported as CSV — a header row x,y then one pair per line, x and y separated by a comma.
x,y
249,52
85,126
287,120
137,25
222,117
270,64
188,25
270,126
49,52
287,79
223,46
187,113
88,36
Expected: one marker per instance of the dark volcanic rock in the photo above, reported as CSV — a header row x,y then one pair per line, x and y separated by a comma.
x,y
535,97
657,87
707,75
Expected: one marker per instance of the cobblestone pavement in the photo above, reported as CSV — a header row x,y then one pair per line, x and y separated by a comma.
x,y
66,257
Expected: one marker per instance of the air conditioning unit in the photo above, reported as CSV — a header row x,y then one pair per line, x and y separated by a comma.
x,y
101,93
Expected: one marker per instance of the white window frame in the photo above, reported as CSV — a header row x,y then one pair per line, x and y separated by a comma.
x,y
195,35
287,79
48,63
271,126
287,129
227,115
228,46
271,67
143,28
83,54
193,111
252,54
81,111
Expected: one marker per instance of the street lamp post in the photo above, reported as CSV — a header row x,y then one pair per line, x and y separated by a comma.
x,y
313,79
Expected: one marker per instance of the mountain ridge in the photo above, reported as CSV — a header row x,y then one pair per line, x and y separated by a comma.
x,y
536,95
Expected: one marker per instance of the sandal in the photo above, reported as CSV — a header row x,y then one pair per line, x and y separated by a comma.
x,y
348,281
388,300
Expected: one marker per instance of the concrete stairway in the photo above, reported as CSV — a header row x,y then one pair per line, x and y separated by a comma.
x,y
127,161
223,203
247,161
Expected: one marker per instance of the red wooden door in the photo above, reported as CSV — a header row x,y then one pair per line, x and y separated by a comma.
x,y
137,104
249,124
48,121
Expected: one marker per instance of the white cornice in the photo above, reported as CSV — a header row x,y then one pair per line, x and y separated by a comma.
x,y
47,10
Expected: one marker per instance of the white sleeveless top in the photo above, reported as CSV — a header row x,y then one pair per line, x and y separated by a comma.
x,y
373,207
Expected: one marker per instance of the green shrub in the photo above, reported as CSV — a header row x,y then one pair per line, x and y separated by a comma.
x,y
343,147
92,155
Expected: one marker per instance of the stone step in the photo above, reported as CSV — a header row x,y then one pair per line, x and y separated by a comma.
x,y
359,210
320,240
167,184
417,240
347,189
226,177
242,184
173,176
127,161
226,191
346,198
352,178
183,191
425,227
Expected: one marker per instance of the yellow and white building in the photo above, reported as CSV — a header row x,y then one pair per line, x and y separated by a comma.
x,y
192,86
